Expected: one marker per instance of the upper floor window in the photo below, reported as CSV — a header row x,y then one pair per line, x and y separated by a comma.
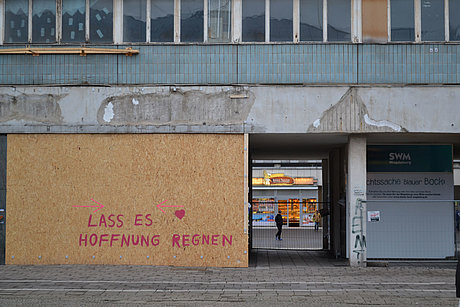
x,y
73,20
134,20
281,20
162,21
311,20
191,20
402,20
338,20
16,21
137,18
253,21
433,20
101,20
454,20
43,21
95,21
219,20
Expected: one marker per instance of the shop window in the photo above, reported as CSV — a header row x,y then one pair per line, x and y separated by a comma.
x,y
219,20
16,21
311,20
73,20
43,21
101,20
338,20
433,20
402,20
162,21
280,20
134,20
191,20
253,21
454,20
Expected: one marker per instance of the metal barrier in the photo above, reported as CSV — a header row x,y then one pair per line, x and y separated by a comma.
x,y
298,231
411,229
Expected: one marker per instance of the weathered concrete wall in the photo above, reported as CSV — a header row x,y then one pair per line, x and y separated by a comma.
x,y
230,109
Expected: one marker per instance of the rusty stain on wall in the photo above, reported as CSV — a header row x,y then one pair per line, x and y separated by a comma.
x,y
176,107
350,114
36,108
375,20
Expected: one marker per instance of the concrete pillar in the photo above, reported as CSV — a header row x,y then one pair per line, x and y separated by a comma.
x,y
356,210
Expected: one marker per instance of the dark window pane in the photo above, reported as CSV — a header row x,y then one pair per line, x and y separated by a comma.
x,y
311,20
433,20
16,21
162,21
253,20
191,21
454,20
338,20
280,20
101,21
43,21
402,20
73,20
219,20
134,20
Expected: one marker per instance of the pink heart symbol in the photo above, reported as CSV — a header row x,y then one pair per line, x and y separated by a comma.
x,y
180,214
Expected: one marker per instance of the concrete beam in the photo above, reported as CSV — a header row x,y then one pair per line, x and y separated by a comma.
x,y
221,109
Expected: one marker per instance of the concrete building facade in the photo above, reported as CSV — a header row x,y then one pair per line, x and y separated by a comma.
x,y
119,116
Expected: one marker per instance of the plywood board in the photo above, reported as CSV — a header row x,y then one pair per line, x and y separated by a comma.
x,y
375,20
55,184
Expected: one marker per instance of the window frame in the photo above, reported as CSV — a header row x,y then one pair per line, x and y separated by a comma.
x,y
177,22
236,23
57,32
418,23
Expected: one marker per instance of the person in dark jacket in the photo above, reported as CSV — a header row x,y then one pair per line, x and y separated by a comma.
x,y
279,224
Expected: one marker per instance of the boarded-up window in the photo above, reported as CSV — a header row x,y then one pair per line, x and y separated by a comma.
x,y
311,20
162,21
338,20
44,21
402,20
375,20
101,20
280,20
134,20
16,21
254,20
73,20
191,20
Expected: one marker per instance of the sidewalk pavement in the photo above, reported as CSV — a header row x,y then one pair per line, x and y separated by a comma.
x,y
274,278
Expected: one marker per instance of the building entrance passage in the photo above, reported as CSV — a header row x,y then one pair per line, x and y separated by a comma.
x,y
298,230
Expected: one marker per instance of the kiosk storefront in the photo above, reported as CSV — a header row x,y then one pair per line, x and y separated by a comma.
x,y
295,197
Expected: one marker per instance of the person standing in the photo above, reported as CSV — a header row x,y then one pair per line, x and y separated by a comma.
x,y
316,219
279,224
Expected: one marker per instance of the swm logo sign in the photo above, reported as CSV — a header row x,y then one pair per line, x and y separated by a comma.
x,y
399,158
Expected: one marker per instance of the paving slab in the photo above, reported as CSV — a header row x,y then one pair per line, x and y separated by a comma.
x,y
294,278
